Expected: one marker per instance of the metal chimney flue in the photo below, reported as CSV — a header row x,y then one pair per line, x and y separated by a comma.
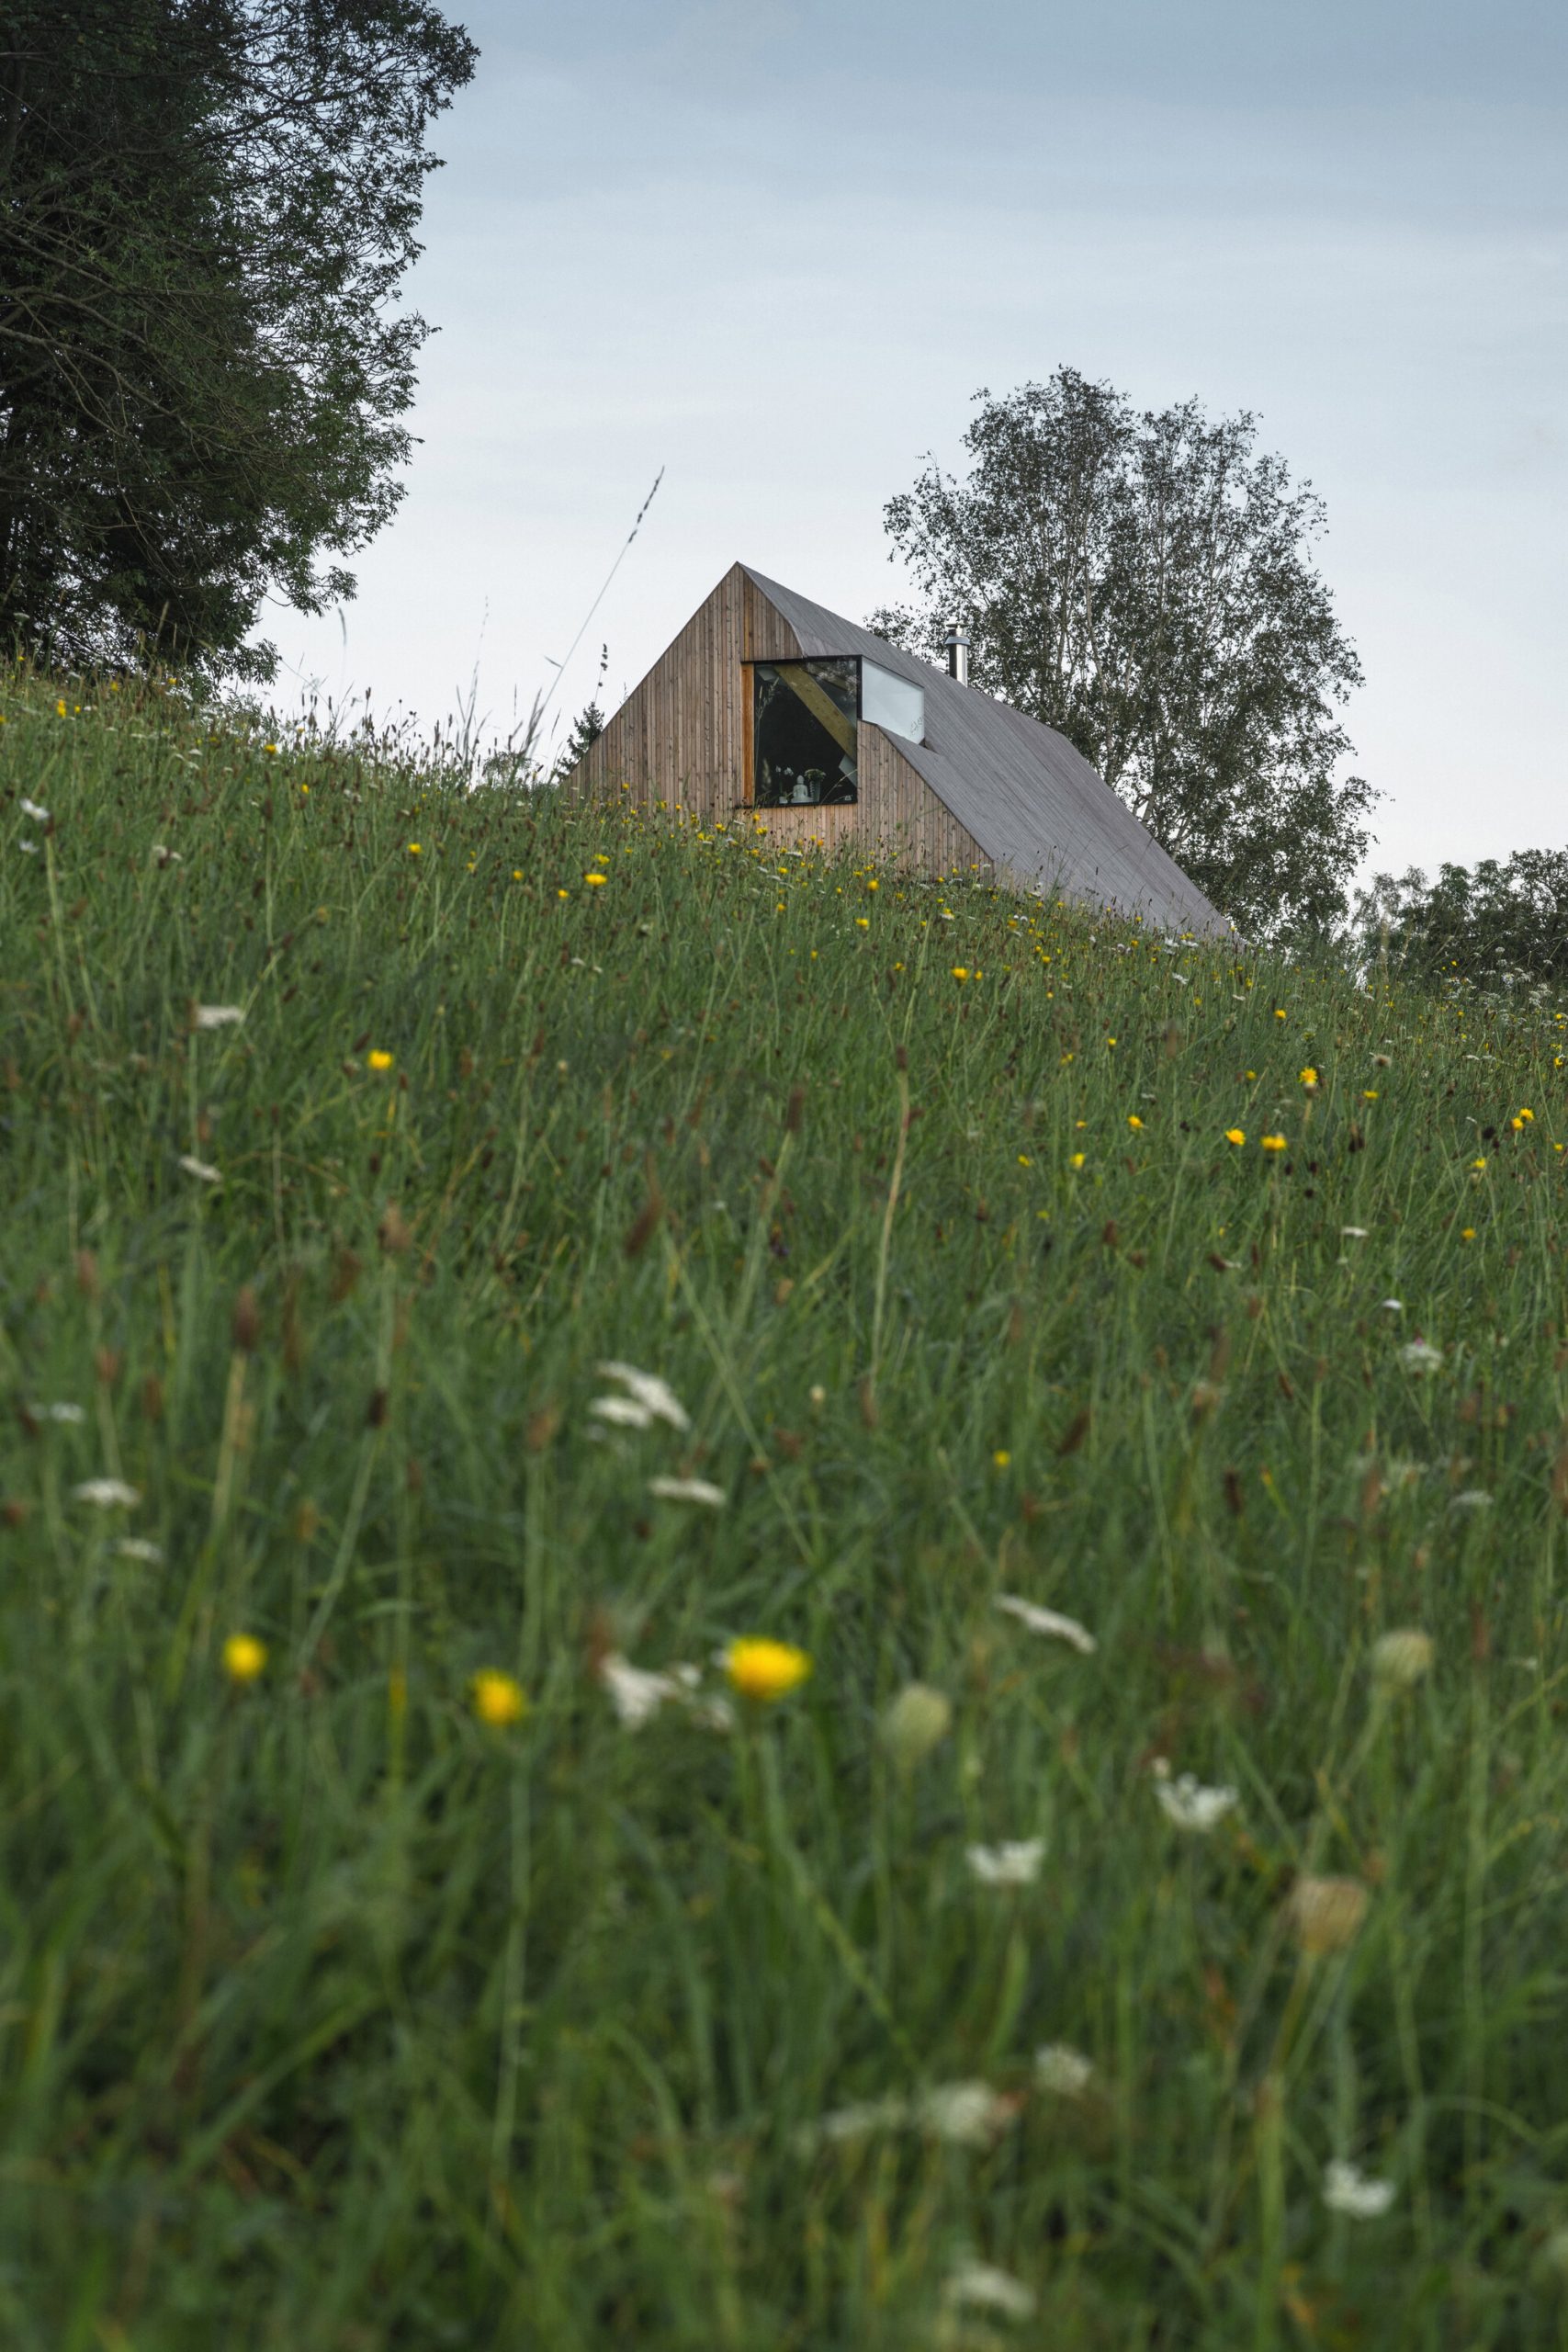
x,y
955,645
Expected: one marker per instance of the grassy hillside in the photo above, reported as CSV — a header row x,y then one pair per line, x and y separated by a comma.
x,y
337,2018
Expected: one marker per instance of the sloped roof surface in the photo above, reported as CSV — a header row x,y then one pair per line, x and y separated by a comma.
x,y
1031,800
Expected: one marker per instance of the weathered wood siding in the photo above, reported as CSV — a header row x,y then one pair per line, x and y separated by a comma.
x,y
679,741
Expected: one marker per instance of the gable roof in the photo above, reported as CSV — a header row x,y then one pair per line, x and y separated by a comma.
x,y
1033,803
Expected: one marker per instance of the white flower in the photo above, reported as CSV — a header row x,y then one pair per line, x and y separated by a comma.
x,y
634,1693
625,1412
194,1167
969,2113
1189,1803
57,1412
1400,1658
138,1547
1354,1232
1392,1305
31,809
1347,2190
1420,1356
981,2287
656,1396
1046,1621
29,849
1061,2068
107,1494
857,2121
1014,1863
218,1017
1470,1498
688,1491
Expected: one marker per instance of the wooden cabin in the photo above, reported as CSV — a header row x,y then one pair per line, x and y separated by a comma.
x,y
768,708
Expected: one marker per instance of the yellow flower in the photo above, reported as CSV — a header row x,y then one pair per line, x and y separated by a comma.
x,y
1527,1117
1478,1163
862,923
1517,1126
1369,1095
1467,1233
961,971
1134,1121
1235,1134
1279,1013
60,709
414,849
517,874
1273,1143
874,885
1309,1077
765,1671
497,1699
244,1657
563,894
594,880
1001,1457
1075,1160
377,1059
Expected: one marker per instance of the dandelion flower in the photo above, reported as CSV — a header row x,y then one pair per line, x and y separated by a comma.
x,y
378,1059
106,1494
915,1725
655,1396
244,1657
981,2287
1467,1233
414,849
1402,1657
765,1671
498,1700
1347,2190
1327,1913
1076,1159
1186,1802
595,881
1134,1121
1235,1134
218,1016
688,1491
1048,1622
1060,2067
1273,1143
1001,1458
1309,1078
961,971
1016,1862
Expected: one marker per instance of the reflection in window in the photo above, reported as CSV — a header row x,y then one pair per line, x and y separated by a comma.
x,y
894,703
805,715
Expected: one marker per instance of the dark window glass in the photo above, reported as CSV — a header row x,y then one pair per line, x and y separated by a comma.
x,y
806,715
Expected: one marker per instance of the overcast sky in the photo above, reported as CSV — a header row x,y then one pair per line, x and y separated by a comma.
x,y
775,246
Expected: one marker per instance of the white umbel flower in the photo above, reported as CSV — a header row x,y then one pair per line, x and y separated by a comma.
x,y
1060,2067
688,1491
194,1167
1186,1802
635,1693
106,1494
140,1547
655,1396
69,1413
1016,1862
1419,1356
981,2287
970,2114
218,1016
622,1412
1347,2189
1048,1621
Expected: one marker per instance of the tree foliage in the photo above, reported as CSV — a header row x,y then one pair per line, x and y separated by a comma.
x,y
1484,923
207,209
1143,583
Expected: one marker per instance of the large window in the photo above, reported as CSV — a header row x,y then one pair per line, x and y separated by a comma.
x,y
805,722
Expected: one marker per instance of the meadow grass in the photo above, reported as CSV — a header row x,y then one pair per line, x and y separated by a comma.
x,y
334,2016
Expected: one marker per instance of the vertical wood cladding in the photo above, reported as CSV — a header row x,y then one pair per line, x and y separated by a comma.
x,y
678,740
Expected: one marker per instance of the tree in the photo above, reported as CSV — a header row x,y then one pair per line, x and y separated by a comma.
x,y
207,209
1490,923
1143,584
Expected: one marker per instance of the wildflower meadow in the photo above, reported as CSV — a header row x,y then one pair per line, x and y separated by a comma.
x,y
749,1602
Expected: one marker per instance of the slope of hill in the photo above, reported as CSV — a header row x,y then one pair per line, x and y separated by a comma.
x,y
1135,1378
